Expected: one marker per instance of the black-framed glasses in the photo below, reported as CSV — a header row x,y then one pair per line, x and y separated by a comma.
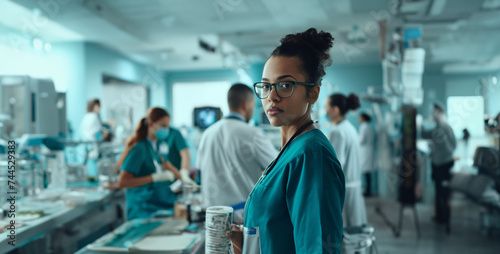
x,y
284,89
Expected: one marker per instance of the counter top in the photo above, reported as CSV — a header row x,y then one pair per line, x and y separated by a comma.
x,y
57,213
149,236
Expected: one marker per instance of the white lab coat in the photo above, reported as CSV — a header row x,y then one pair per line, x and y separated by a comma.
x,y
367,147
90,126
345,142
231,157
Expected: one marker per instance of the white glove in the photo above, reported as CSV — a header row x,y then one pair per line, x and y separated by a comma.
x,y
165,175
186,178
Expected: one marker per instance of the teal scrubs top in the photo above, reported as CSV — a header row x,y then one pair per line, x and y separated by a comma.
x,y
298,205
143,201
175,142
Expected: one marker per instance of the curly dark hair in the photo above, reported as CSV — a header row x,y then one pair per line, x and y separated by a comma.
x,y
312,48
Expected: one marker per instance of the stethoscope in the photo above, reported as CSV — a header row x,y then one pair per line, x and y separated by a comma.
x,y
273,163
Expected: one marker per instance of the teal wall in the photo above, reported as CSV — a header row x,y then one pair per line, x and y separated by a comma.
x,y
434,85
75,85
346,79
494,94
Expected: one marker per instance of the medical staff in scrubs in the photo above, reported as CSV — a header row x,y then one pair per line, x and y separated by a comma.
x,y
146,175
232,154
345,141
296,206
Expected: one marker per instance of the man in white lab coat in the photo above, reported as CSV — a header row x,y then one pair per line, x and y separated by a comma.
x,y
232,154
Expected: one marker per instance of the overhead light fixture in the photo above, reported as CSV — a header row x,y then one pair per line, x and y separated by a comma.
x,y
494,80
204,45
37,44
37,11
47,46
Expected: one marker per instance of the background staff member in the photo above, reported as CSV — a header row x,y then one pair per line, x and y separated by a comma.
x,y
141,172
296,206
232,154
173,150
367,150
444,144
345,141
91,129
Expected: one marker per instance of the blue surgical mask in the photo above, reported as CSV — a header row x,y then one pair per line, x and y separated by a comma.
x,y
162,133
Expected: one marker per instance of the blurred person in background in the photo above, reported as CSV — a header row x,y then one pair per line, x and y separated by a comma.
x,y
443,145
345,141
232,154
91,130
145,172
367,150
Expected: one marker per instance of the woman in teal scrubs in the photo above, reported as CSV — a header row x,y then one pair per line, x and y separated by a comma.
x,y
146,176
296,206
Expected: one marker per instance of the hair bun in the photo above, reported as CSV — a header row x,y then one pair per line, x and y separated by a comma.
x,y
353,101
312,48
321,42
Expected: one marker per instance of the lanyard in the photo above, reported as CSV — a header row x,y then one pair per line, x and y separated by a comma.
x,y
234,117
273,163
155,162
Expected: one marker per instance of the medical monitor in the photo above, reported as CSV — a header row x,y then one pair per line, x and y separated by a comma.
x,y
205,116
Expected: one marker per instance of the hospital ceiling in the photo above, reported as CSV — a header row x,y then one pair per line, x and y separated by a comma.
x,y
462,34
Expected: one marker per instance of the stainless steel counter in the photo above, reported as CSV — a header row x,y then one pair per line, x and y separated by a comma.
x,y
62,227
126,237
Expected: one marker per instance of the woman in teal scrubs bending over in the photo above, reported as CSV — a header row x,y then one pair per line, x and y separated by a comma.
x,y
146,176
296,206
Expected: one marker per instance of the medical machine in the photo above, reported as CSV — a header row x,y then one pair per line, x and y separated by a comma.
x,y
31,106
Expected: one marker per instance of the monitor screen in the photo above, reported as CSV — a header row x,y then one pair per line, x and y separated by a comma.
x,y
206,116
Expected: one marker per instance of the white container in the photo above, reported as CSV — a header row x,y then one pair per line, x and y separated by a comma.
x,y
219,220
413,68
414,60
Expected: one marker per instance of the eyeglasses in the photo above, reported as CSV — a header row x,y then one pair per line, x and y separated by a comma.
x,y
284,89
